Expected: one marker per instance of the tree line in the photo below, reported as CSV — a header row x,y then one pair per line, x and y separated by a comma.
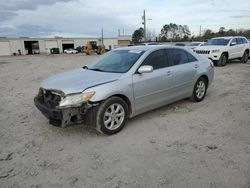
x,y
176,33
208,33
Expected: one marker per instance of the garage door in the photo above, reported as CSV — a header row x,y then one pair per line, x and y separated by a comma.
x,y
51,44
5,48
68,42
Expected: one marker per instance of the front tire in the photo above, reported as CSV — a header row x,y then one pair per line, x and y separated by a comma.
x,y
111,116
244,58
223,60
200,90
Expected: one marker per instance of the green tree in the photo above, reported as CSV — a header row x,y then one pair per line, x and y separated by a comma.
x,y
174,32
208,33
222,31
138,35
230,32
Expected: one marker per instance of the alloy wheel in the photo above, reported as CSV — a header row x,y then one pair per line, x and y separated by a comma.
x,y
200,89
114,116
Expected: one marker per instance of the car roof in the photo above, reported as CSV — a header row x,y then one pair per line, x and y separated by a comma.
x,y
228,37
196,42
149,47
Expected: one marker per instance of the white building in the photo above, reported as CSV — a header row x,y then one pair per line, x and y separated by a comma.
x,y
25,45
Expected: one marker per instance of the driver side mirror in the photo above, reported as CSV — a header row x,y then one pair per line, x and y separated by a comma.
x,y
233,44
145,69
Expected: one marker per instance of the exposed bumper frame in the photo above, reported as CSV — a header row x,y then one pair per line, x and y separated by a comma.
x,y
63,117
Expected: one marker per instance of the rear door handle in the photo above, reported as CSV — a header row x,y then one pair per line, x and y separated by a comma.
x,y
196,66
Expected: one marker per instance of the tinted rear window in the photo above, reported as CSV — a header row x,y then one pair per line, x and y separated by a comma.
x,y
178,56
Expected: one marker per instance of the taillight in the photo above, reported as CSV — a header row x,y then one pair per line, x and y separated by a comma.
x,y
212,64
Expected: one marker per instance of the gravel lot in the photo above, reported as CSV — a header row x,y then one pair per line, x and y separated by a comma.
x,y
185,144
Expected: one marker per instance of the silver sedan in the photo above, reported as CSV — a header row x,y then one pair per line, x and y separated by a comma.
x,y
122,84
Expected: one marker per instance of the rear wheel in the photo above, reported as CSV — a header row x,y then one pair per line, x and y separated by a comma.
x,y
223,60
244,58
200,90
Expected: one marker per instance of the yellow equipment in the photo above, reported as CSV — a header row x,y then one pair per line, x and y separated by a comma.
x,y
91,48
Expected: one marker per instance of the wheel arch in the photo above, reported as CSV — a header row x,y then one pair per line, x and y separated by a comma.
x,y
205,77
227,54
125,99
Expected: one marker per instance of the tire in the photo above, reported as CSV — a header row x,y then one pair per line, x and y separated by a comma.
x,y
244,58
200,90
223,60
106,118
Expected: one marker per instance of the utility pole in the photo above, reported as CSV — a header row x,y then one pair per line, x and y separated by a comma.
x,y
200,30
144,23
102,36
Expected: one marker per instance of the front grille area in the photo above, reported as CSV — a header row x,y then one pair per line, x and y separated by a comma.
x,y
202,51
49,98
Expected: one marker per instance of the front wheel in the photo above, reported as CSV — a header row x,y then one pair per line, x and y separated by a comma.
x,y
200,90
111,116
223,60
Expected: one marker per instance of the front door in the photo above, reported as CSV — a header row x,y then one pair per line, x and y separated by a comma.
x,y
153,89
234,49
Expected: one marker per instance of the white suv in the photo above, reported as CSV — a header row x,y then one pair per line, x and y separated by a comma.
x,y
222,49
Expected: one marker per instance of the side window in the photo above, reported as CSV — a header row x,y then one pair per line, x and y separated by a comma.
x,y
157,59
244,40
239,41
191,58
178,56
234,40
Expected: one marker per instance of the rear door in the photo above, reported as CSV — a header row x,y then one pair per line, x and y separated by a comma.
x,y
241,47
153,89
185,67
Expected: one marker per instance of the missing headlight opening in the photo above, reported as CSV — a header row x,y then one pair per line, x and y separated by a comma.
x,y
48,102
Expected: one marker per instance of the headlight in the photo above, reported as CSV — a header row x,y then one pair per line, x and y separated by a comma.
x,y
75,100
215,51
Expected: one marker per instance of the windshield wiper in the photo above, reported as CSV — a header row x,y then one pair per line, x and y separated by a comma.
x,y
100,70
85,67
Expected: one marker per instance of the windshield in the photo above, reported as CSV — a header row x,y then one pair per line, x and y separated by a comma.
x,y
118,61
194,44
220,42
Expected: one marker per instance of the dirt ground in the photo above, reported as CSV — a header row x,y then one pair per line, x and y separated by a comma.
x,y
185,144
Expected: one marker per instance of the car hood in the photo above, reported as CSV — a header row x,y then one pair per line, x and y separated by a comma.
x,y
78,80
215,47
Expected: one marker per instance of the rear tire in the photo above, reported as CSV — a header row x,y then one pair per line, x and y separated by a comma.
x,y
223,60
244,58
200,90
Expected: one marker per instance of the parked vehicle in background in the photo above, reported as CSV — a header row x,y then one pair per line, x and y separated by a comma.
x,y
180,44
93,47
222,49
194,45
148,43
70,51
249,48
79,49
124,83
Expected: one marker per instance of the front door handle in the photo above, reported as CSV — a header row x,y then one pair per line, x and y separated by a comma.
x,y
196,66
168,73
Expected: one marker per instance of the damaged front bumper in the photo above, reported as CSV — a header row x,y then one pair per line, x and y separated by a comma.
x,y
66,116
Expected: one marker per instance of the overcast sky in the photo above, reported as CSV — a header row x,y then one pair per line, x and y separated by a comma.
x,y
87,17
